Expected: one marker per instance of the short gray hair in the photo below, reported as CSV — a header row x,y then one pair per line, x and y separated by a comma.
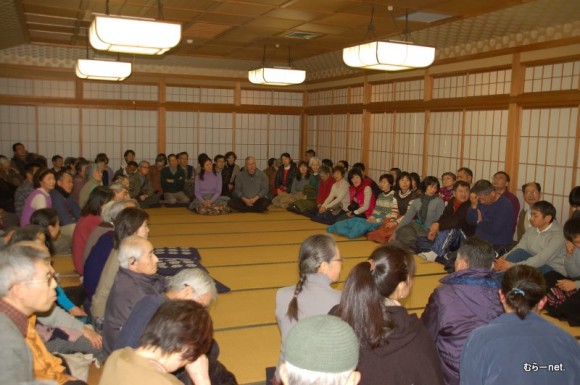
x,y
90,170
111,209
298,376
144,162
314,160
17,263
131,247
249,158
197,279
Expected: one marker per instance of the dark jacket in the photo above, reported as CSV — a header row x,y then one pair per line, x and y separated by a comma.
x,y
456,219
128,289
178,180
67,209
279,180
408,356
466,300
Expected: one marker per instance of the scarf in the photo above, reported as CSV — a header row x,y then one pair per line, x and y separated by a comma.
x,y
425,200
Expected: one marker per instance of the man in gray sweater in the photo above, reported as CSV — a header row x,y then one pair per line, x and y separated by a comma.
x,y
251,189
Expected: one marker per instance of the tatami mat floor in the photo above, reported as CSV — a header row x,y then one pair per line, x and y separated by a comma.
x,y
255,254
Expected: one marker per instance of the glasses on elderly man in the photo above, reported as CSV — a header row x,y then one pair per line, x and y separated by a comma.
x,y
49,277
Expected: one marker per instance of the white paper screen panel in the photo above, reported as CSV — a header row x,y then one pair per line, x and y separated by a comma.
x,y
408,139
485,142
17,124
489,83
109,91
547,151
324,137
356,95
381,141
449,87
382,92
354,143
339,135
444,148
409,90
181,132
252,137
552,77
37,87
102,132
311,135
140,133
58,131
284,136
215,135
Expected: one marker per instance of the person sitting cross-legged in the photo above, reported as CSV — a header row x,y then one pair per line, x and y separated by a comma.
x,y
141,187
542,246
465,300
251,189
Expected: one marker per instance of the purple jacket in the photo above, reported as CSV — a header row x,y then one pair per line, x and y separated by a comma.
x,y
466,300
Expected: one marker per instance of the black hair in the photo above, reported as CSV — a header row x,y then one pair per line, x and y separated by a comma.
x,y
133,164
311,152
298,174
328,163
461,183
344,162
538,186
574,197
44,218
128,152
405,175
231,153
478,253
60,175
29,167
523,288
27,233
39,176
271,162
286,155
355,171
218,156
572,229
102,158
179,326
79,164
324,170
202,159
55,158
507,177
171,156
388,177
127,223
429,181
466,170
361,166
16,145
161,157
362,304
545,208
315,250
449,173
338,168
98,197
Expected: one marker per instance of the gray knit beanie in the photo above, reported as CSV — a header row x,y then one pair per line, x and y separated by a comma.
x,y
323,343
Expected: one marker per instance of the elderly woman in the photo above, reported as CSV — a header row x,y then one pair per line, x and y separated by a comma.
x,y
135,279
178,335
94,179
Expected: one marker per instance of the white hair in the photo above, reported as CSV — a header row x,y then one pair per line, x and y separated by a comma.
x,y
131,247
111,209
197,279
18,264
298,376
314,160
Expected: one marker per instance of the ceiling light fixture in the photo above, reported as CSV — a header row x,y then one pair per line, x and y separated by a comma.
x,y
276,76
388,55
131,35
116,71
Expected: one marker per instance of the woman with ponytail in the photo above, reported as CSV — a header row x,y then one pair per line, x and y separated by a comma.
x,y
395,347
319,264
520,346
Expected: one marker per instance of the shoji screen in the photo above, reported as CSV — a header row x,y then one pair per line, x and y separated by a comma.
x,y
311,135
444,148
17,124
354,143
181,133
339,137
58,132
215,135
381,142
140,133
284,136
324,137
252,138
102,132
485,142
408,141
547,151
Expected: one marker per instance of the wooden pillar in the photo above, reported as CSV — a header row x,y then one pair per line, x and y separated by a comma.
x,y
514,125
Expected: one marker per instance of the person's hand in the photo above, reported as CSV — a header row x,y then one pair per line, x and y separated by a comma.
x,y
198,371
390,225
431,235
570,248
207,203
322,210
566,284
77,312
94,338
248,202
349,214
473,199
230,186
170,180
142,197
502,264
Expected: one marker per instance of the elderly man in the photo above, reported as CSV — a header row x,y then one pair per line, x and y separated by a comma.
x,y
465,174
532,193
27,286
466,300
173,182
493,215
141,188
320,349
251,189
135,279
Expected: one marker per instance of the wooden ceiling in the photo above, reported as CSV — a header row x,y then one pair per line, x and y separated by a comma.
x,y
240,29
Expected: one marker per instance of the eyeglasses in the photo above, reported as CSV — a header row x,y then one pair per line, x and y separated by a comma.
x,y
339,259
49,277
535,192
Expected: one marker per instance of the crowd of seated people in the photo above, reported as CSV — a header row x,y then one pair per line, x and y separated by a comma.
x,y
96,214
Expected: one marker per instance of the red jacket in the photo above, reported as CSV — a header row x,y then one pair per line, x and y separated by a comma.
x,y
324,190
359,194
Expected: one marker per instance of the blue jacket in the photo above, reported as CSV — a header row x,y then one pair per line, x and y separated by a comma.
x,y
514,351
67,209
466,300
95,262
496,224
